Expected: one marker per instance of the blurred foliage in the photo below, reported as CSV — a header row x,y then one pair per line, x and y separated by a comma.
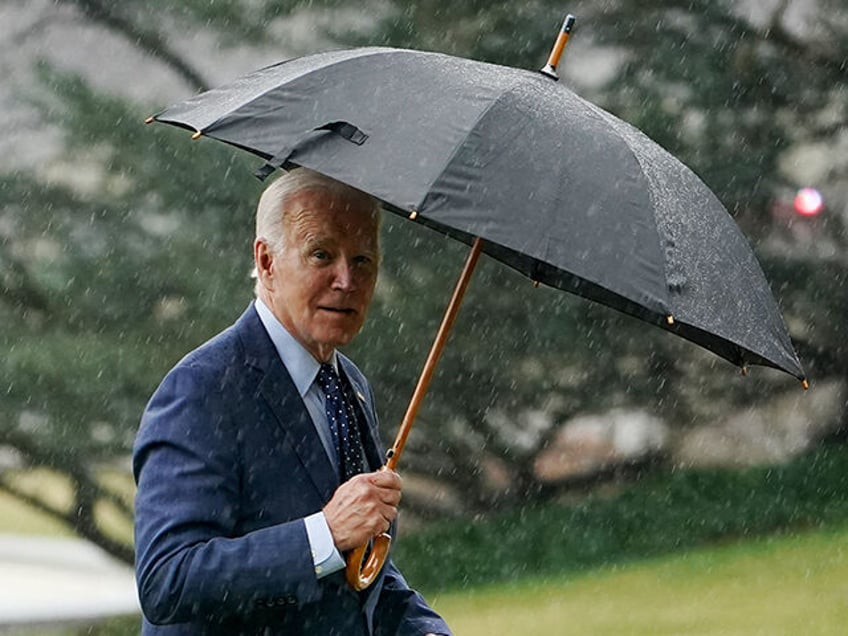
x,y
135,247
690,508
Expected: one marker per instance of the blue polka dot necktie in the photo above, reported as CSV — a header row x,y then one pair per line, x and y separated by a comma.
x,y
341,417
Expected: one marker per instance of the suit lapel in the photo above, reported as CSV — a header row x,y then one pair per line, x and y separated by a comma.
x,y
282,397
280,394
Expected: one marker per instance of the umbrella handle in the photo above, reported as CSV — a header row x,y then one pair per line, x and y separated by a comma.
x,y
361,570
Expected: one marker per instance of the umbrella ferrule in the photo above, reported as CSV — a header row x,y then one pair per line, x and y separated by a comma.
x,y
549,69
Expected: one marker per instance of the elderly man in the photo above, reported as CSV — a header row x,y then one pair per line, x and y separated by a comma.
x,y
255,457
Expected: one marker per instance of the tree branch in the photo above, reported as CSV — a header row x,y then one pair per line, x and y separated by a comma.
x,y
148,40
80,516
79,519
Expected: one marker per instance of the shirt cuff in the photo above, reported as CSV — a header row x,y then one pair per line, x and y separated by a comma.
x,y
324,554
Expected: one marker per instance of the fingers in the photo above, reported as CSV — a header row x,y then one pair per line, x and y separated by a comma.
x,y
387,484
363,507
384,478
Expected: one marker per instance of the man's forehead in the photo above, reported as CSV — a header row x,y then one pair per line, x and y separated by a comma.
x,y
307,201
326,197
314,213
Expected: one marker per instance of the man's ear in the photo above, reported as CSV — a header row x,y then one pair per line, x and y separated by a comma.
x,y
263,259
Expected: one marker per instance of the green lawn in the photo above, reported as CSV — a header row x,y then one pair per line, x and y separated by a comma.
x,y
770,587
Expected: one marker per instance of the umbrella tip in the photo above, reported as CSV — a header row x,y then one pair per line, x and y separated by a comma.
x,y
549,69
149,120
413,214
196,135
804,384
669,319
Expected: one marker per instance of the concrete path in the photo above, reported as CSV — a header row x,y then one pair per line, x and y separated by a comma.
x,y
46,580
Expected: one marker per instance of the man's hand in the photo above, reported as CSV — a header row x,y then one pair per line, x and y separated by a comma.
x,y
363,507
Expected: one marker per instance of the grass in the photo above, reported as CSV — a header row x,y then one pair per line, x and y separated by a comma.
x,y
771,587
119,626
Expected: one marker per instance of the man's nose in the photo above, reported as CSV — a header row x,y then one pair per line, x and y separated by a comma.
x,y
344,276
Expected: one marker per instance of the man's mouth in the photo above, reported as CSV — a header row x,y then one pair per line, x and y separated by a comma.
x,y
347,311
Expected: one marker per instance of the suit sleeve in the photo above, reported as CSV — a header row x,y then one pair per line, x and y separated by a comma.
x,y
190,561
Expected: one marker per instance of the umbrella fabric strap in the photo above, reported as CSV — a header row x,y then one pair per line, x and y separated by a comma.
x,y
344,129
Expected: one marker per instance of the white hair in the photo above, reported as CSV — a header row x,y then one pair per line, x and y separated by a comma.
x,y
273,204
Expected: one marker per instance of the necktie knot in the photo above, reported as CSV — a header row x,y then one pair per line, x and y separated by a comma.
x,y
328,379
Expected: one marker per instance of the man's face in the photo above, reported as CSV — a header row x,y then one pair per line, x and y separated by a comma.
x,y
319,285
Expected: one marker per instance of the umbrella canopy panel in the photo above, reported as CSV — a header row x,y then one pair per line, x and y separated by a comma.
x,y
558,188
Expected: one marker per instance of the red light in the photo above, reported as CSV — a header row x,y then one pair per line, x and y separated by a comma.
x,y
808,202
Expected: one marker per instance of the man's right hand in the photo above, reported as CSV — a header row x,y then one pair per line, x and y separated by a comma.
x,y
363,507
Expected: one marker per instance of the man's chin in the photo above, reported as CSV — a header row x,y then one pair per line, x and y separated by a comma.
x,y
337,337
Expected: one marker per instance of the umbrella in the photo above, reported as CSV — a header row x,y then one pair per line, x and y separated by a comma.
x,y
517,165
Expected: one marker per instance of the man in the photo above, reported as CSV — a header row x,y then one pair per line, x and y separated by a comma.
x,y
256,457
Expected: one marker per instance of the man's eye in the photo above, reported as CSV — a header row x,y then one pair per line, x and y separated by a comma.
x,y
362,260
320,255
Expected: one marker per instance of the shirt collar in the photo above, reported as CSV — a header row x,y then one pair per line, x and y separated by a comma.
x,y
301,365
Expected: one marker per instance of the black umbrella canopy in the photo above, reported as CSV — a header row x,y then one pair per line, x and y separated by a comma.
x,y
557,188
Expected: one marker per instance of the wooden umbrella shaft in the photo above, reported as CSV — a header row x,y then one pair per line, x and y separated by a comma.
x,y
394,452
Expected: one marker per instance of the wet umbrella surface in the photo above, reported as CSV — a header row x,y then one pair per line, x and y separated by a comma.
x,y
556,187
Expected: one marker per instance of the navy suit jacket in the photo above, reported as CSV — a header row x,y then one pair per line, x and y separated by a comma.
x,y
228,463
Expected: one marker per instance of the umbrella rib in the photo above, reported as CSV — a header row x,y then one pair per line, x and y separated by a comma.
x,y
743,354
461,145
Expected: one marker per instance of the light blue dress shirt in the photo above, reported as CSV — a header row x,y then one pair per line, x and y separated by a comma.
x,y
303,368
